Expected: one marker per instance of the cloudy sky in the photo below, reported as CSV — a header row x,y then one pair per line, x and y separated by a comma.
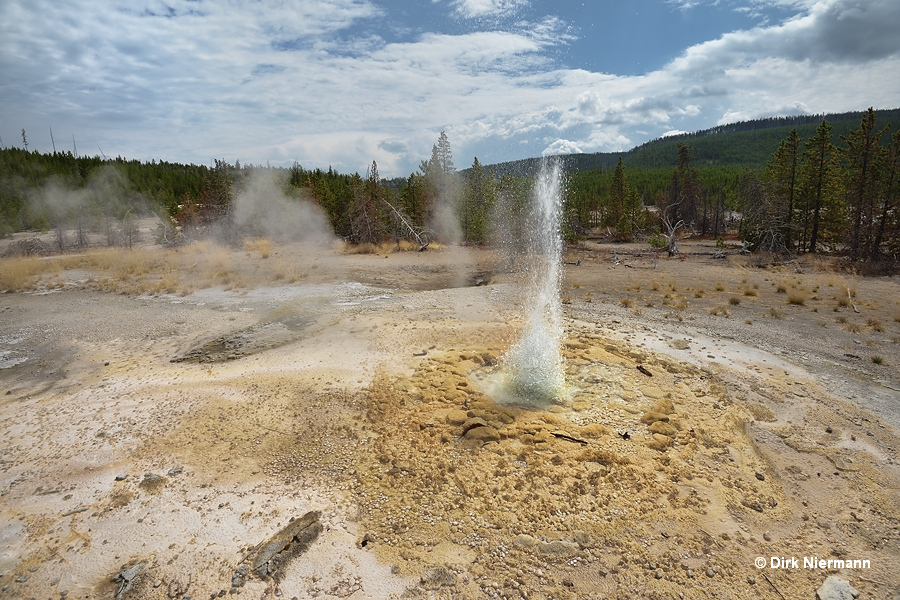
x,y
345,82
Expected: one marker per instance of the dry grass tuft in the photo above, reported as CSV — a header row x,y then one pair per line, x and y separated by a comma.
x,y
775,314
876,325
699,293
797,298
720,287
720,310
261,245
751,292
626,302
23,273
734,301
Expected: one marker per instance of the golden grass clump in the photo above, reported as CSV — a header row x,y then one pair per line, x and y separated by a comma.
x,y
699,293
261,245
734,301
797,298
720,310
626,302
23,273
720,287
750,292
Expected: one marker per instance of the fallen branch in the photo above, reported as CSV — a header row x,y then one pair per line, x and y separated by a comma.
x,y
773,587
569,438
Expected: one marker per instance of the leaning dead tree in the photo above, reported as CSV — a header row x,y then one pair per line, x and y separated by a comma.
x,y
420,235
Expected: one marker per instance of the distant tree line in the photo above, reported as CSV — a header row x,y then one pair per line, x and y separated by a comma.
x,y
812,195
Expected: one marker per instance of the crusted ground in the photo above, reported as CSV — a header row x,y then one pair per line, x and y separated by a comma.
x,y
709,420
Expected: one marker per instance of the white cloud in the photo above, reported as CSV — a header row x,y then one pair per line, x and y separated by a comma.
x,y
473,9
562,147
197,80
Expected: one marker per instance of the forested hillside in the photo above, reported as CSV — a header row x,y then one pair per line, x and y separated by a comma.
x,y
747,144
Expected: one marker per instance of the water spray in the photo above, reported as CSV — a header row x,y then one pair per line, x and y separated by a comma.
x,y
534,365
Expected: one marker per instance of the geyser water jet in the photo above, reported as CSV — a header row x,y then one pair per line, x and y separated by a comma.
x,y
533,367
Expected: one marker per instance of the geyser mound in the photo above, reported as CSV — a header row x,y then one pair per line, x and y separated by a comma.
x,y
533,368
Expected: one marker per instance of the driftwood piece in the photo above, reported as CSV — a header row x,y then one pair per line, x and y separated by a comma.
x,y
271,556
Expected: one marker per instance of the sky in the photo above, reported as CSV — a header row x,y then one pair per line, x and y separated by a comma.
x,y
341,83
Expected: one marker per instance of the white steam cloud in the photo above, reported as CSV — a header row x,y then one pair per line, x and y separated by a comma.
x,y
263,209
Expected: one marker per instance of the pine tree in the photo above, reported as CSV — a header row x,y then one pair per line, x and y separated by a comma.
x,y
781,174
617,195
816,173
889,222
365,216
444,156
862,162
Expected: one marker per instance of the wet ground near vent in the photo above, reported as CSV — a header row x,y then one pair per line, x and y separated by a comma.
x,y
182,431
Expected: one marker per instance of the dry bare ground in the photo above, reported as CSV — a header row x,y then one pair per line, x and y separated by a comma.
x,y
165,412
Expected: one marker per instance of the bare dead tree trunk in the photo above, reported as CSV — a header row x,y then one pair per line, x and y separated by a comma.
x,y
671,242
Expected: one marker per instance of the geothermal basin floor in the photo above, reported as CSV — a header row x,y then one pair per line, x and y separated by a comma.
x,y
178,433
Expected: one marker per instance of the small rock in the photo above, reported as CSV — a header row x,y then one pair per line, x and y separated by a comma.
x,y
23,578
751,580
122,477
760,476
663,428
710,573
836,588
240,577
659,442
664,406
438,577
483,434
558,548
456,417
653,416
153,483
767,536
175,471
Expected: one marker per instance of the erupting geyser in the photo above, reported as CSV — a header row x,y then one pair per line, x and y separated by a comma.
x,y
534,365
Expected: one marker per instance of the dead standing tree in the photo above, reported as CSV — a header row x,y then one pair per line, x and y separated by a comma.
x,y
671,235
